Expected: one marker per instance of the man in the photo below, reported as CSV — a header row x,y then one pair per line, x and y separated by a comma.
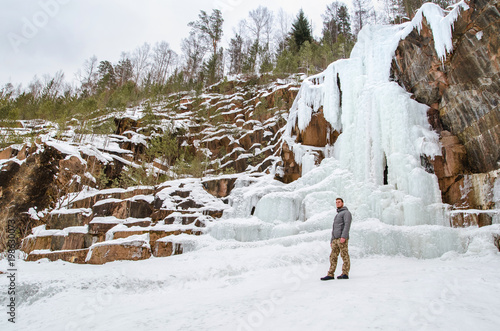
x,y
340,238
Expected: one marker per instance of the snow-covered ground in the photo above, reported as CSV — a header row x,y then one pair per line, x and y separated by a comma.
x,y
241,286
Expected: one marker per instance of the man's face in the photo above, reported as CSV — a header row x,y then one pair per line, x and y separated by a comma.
x,y
339,203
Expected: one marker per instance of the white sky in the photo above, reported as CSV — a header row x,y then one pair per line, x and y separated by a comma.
x,y
43,36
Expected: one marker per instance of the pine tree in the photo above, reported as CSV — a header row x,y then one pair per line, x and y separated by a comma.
x,y
337,37
236,54
107,78
301,30
344,21
210,28
330,24
124,71
250,61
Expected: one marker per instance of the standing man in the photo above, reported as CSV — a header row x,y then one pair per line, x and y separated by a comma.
x,y
340,237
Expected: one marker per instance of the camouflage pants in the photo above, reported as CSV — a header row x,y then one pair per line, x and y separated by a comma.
x,y
338,247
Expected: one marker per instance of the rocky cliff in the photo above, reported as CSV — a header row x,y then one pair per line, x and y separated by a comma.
x,y
66,183
463,94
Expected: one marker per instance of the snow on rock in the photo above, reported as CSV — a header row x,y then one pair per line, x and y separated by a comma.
x,y
441,23
135,247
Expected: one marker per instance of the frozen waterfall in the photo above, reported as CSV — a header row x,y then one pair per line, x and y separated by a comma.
x,y
382,129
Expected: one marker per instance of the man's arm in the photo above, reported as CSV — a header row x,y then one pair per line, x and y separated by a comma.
x,y
347,226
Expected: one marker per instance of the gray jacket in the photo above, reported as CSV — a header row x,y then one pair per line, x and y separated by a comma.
x,y
342,224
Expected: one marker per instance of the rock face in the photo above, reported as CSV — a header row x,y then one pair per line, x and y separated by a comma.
x,y
77,217
463,92
219,188
237,126
319,133
132,249
25,186
175,214
73,256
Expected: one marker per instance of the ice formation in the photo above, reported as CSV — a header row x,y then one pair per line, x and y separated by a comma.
x,y
375,164
382,128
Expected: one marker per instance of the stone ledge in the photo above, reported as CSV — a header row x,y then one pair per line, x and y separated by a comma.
x,y
73,256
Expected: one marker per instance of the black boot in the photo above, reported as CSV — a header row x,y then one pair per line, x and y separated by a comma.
x,y
343,277
327,277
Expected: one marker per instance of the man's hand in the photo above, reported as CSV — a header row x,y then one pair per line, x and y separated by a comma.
x,y
342,240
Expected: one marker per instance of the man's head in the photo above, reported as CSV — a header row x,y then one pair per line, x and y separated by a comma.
x,y
339,202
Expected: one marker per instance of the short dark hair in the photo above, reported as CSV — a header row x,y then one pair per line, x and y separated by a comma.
x,y
339,199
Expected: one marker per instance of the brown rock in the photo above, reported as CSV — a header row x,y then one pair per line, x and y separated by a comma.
x,y
125,124
77,240
123,209
23,153
73,256
181,193
464,220
496,240
98,227
216,143
449,168
484,219
127,233
32,243
250,138
161,214
64,219
219,187
466,86
215,213
111,251
154,235
182,219
137,222
292,171
163,249
69,167
57,242
28,185
452,189
189,204
454,156
7,153
318,133
88,202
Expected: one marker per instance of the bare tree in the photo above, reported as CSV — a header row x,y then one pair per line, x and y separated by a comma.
x,y
362,13
88,76
260,25
162,58
330,24
194,50
35,87
284,23
52,86
261,20
140,62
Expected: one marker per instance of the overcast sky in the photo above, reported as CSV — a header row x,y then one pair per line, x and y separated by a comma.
x,y
43,36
